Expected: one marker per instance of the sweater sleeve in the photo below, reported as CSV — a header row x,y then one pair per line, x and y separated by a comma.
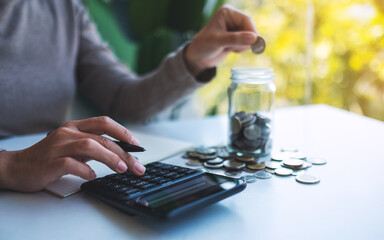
x,y
121,93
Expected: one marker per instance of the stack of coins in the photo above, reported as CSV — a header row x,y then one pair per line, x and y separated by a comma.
x,y
250,133
235,164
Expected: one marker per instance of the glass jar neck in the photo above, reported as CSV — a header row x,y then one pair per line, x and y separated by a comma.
x,y
252,75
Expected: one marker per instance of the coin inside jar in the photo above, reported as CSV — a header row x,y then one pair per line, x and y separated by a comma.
x,y
236,125
252,132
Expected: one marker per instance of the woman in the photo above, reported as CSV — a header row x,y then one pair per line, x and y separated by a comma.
x,y
50,48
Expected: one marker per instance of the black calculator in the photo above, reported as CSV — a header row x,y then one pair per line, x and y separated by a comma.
x,y
164,191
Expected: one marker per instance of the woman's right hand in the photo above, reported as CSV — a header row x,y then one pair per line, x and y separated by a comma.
x,y
65,151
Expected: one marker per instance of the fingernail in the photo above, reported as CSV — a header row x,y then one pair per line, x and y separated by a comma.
x,y
122,167
93,175
139,168
135,141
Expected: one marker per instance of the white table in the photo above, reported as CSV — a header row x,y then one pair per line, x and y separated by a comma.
x,y
348,203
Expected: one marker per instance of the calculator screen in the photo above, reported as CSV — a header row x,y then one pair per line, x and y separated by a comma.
x,y
174,198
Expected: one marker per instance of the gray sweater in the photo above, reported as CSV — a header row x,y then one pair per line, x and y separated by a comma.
x,y
50,48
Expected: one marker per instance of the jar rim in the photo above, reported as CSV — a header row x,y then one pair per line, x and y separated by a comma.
x,y
251,74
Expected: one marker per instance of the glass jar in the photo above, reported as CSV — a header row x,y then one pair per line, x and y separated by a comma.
x,y
250,110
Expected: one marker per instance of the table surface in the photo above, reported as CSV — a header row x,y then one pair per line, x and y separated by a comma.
x,y
348,203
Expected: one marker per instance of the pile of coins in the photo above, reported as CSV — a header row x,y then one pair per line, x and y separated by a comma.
x,y
251,133
287,162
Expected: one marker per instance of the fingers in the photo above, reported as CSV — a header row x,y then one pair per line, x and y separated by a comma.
x,y
237,20
105,125
237,40
88,148
132,163
70,165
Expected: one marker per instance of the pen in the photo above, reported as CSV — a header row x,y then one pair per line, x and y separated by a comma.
x,y
129,147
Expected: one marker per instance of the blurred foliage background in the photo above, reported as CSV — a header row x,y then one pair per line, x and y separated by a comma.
x,y
322,51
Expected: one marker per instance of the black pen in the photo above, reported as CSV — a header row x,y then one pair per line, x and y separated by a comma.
x,y
129,147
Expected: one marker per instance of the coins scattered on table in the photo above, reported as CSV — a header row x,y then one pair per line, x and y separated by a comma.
x,y
263,175
235,164
249,178
251,133
317,160
193,163
283,171
308,179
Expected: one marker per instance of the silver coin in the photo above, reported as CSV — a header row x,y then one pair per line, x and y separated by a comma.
x,y
255,166
224,154
296,163
193,163
269,170
236,124
279,156
232,173
272,165
317,160
263,175
298,155
252,132
247,170
206,151
205,157
306,165
307,178
249,178
283,171
215,161
213,166
248,120
192,154
233,165
241,114
259,46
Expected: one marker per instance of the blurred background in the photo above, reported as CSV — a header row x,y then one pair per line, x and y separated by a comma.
x,y
322,51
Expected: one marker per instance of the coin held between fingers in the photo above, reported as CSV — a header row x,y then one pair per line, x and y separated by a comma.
x,y
259,46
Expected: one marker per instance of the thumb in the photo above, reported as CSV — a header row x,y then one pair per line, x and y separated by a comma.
x,y
238,39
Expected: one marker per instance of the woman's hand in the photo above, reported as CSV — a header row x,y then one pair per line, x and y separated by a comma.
x,y
65,151
228,30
